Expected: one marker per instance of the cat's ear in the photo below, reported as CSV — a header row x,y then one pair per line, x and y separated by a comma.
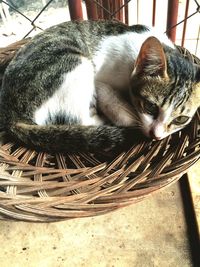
x,y
151,60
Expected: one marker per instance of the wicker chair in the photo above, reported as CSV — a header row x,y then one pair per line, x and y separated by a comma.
x,y
42,187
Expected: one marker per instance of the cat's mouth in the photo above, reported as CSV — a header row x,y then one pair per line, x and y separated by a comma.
x,y
154,136
153,129
155,132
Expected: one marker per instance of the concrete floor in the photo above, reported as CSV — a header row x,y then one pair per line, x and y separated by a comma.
x,y
149,233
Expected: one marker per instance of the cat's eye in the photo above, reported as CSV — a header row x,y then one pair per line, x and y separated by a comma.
x,y
180,120
150,108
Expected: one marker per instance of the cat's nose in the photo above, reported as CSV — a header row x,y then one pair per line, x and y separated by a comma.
x,y
153,135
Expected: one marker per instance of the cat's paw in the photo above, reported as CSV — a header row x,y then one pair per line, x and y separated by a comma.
x,y
93,120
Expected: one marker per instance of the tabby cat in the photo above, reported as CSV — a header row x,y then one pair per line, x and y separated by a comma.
x,y
89,85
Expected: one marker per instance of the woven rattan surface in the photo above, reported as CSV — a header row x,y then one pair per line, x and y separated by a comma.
x,y
41,187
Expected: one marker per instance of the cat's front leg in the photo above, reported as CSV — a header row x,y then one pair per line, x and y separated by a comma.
x,y
95,117
113,106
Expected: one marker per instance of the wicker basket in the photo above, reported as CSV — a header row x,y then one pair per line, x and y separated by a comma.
x,y
43,187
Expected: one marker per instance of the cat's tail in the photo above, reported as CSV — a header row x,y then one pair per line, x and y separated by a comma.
x,y
75,138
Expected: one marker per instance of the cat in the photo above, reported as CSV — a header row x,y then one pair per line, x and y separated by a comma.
x,y
90,85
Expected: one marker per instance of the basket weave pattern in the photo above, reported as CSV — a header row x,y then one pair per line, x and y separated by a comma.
x,y
41,187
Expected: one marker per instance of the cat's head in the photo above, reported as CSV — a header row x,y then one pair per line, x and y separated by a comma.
x,y
165,89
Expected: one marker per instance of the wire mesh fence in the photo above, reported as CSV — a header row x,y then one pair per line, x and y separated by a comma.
x,y
23,18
